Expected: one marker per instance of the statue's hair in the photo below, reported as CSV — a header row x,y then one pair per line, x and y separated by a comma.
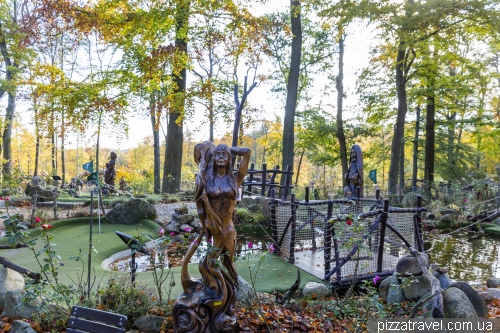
x,y
113,154
211,170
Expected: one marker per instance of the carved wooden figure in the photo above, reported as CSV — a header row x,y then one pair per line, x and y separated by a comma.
x,y
110,173
355,175
209,304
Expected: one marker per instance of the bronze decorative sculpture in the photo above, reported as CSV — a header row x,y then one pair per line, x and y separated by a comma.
x,y
110,173
209,304
355,175
123,184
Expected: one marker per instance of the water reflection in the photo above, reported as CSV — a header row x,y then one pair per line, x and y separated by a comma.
x,y
470,256
259,243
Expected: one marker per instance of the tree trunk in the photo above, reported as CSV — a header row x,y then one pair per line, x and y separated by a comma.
x,y
402,166
211,115
97,144
340,122
430,138
400,121
292,86
451,136
415,151
156,151
173,150
63,160
7,133
298,168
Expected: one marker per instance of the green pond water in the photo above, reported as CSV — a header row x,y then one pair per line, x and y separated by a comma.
x,y
469,255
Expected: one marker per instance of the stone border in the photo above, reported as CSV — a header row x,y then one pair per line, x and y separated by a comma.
x,y
119,255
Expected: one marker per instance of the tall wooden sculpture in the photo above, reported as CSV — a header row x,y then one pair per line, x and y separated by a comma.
x,y
209,304
110,173
355,175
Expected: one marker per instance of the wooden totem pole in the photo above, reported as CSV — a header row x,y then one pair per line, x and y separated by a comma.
x,y
209,304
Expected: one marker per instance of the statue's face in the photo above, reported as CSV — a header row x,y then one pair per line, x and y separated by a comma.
x,y
353,154
221,158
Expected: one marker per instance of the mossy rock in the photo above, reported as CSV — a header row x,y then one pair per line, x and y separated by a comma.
x,y
132,212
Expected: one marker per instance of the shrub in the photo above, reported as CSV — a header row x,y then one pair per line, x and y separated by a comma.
x,y
120,296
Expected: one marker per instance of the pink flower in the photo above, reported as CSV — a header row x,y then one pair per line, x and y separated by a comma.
x,y
187,229
45,226
37,219
7,199
195,242
349,222
465,200
1,198
161,232
172,233
250,245
270,247
375,279
209,240
457,180
49,226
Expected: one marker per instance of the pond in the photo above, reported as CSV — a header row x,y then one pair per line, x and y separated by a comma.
x,y
176,254
469,255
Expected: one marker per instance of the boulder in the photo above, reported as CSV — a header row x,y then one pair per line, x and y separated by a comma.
x,y
149,324
418,288
396,294
497,221
131,212
19,326
314,288
457,305
430,216
247,201
264,206
245,289
443,278
185,219
449,218
427,305
408,265
180,211
184,226
20,217
14,306
383,289
9,280
476,300
255,208
493,282
410,200
174,227
43,194
194,223
190,193
486,296
7,191
495,292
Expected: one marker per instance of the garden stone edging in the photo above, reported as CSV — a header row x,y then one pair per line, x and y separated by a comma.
x,y
122,254
19,326
149,324
9,280
475,299
457,305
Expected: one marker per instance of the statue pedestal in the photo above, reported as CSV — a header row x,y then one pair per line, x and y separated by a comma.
x,y
194,313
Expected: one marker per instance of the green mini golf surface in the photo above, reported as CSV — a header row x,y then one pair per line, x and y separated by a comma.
x,y
73,234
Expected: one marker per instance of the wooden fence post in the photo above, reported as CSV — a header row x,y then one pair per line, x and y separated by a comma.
x,y
312,224
55,205
33,209
273,177
274,225
418,226
287,182
264,175
291,259
249,188
383,226
328,238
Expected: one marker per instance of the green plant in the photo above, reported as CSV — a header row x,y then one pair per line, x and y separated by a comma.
x,y
123,297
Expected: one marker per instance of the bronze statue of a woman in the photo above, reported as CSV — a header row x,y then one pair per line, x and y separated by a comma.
x,y
209,304
355,176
